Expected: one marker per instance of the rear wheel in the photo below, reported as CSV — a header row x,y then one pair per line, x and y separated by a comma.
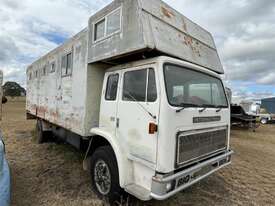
x,y
42,136
104,173
264,121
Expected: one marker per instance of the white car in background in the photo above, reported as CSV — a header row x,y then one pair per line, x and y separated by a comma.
x,y
266,118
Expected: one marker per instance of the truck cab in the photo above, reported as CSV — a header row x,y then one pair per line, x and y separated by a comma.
x,y
171,120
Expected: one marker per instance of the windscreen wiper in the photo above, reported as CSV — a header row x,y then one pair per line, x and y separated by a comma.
x,y
205,106
185,105
135,100
219,108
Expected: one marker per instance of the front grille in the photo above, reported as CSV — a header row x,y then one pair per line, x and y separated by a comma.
x,y
194,147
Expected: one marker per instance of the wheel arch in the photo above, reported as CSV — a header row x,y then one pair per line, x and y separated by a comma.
x,y
103,138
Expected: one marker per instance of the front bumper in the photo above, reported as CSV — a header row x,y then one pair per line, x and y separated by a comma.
x,y
164,187
5,184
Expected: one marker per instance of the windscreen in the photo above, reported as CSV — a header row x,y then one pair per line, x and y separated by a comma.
x,y
186,87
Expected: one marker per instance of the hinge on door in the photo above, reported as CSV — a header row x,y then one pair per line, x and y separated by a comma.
x,y
117,123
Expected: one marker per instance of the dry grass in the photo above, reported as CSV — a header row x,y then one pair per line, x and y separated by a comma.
x,y
52,175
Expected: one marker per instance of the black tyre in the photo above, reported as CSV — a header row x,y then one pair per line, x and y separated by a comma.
x,y
42,136
105,176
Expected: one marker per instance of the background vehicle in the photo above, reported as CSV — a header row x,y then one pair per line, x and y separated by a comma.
x,y
4,168
265,117
140,90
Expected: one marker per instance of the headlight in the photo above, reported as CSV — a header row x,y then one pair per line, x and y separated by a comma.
x,y
168,187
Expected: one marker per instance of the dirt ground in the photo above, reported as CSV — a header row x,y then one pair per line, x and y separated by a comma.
x,y
51,174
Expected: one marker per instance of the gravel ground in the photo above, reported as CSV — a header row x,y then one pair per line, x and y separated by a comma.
x,y
52,175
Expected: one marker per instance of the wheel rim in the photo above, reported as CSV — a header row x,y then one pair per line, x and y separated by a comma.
x,y
102,177
264,121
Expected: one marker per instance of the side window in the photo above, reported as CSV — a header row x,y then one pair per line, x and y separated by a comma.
x,y
108,26
44,71
113,22
152,88
67,64
111,89
99,30
52,68
134,86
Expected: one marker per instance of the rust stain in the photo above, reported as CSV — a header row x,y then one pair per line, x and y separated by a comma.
x,y
41,111
167,12
188,40
195,46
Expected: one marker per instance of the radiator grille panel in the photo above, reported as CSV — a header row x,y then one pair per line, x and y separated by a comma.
x,y
196,146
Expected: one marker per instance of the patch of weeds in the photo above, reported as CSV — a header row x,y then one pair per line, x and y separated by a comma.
x,y
34,135
68,152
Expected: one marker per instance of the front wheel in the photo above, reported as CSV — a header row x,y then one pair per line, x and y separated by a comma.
x,y
104,173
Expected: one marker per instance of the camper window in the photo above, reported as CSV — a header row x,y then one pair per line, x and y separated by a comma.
x,y
44,72
100,30
108,25
113,22
52,67
67,65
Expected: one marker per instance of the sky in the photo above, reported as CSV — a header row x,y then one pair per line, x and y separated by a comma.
x,y
244,32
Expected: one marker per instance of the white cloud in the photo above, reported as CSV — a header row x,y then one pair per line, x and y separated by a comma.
x,y
23,25
243,30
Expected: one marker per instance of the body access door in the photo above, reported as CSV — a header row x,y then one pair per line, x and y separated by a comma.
x,y
138,112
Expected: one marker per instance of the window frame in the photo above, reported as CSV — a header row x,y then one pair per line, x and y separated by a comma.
x,y
146,86
66,64
106,23
107,86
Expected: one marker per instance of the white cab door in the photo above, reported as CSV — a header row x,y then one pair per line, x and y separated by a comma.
x,y
138,106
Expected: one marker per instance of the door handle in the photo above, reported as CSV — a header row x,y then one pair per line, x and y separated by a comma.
x,y
117,123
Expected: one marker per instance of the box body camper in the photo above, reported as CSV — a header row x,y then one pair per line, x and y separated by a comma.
x,y
140,90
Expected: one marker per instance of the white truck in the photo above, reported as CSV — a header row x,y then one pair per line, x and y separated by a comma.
x,y
140,90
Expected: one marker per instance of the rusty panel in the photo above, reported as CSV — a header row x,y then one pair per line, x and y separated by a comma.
x,y
153,25
176,35
183,46
61,100
175,19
